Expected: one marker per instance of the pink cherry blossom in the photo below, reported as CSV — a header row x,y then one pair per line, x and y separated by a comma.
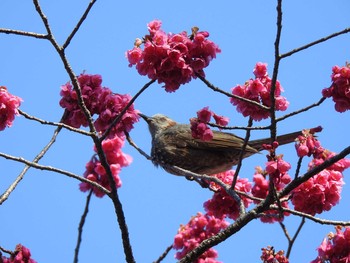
x,y
335,248
270,256
98,100
172,59
258,90
199,228
9,105
199,127
20,255
307,144
223,205
319,193
260,189
97,173
340,88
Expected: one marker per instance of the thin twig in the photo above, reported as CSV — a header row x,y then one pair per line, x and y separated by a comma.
x,y
120,115
133,144
301,110
6,250
291,242
273,124
76,28
23,33
52,169
57,124
68,68
238,127
216,89
297,170
80,228
287,54
313,218
165,253
13,186
241,154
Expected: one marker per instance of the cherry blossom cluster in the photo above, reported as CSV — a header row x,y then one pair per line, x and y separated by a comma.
x,y
221,204
172,59
340,88
107,105
258,90
98,100
260,190
199,228
270,256
199,127
335,248
9,105
96,172
20,255
307,144
322,191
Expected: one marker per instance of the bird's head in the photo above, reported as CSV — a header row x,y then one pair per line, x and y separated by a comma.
x,y
157,123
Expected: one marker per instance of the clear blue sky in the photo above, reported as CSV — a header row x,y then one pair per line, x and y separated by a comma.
x,y
44,211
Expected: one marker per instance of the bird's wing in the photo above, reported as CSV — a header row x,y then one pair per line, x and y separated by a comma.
x,y
221,141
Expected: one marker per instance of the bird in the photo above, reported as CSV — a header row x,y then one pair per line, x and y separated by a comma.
x,y
173,145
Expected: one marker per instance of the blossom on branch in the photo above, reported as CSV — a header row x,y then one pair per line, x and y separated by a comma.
x,y
222,204
260,190
97,173
172,59
270,256
258,90
20,255
199,127
340,88
199,228
322,191
98,100
9,105
335,248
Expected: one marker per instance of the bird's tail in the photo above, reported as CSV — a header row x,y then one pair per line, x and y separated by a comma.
x,y
282,139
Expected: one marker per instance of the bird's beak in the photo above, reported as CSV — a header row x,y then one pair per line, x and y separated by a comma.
x,y
143,116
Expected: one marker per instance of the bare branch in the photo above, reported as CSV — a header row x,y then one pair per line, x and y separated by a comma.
x,y
216,89
53,169
81,225
76,28
313,218
12,187
133,144
301,110
273,129
23,33
287,54
165,253
240,158
57,124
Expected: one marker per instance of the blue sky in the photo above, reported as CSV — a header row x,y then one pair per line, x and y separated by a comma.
x,y
44,211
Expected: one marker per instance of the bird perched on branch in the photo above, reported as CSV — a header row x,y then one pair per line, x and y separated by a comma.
x,y
173,145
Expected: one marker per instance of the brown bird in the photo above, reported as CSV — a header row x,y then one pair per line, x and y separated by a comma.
x,y
173,144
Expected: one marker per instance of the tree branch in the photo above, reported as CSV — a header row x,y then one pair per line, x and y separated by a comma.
x,y
80,228
57,124
23,33
287,54
52,169
76,28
